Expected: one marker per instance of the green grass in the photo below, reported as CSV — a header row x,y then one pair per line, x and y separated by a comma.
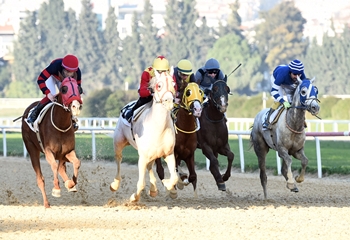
x,y
333,153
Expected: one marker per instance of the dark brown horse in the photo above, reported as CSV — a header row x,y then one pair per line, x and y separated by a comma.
x,y
53,135
213,134
186,126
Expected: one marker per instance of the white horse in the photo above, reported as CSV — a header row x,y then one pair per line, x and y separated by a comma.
x,y
153,135
287,135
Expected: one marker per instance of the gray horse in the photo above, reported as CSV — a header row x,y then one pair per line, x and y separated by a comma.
x,y
287,135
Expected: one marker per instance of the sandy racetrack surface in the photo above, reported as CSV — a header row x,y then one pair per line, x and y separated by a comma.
x,y
321,210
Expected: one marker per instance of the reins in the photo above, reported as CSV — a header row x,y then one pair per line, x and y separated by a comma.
x,y
53,124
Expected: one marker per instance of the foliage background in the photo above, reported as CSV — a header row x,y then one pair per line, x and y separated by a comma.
x,y
109,63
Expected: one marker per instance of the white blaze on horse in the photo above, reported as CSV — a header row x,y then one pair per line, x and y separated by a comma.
x,y
152,133
287,135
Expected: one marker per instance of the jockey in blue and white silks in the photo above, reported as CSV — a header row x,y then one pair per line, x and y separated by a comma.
x,y
284,80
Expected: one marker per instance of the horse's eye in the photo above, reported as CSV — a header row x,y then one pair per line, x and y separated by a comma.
x,y
64,89
159,86
188,93
303,91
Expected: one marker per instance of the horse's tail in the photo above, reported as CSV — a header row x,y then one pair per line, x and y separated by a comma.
x,y
251,143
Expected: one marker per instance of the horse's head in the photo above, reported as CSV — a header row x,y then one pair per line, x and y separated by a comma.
x,y
219,95
192,99
69,92
163,88
306,94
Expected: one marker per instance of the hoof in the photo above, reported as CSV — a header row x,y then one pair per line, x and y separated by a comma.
x,y
173,194
291,186
114,185
153,193
221,186
56,192
294,189
70,185
298,179
133,198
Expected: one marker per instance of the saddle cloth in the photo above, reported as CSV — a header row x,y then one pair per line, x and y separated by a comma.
x,y
35,126
137,112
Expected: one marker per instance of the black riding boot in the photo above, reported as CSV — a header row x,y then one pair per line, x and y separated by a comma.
x,y
35,112
266,124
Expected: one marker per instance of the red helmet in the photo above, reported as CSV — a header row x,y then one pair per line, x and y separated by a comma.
x,y
70,63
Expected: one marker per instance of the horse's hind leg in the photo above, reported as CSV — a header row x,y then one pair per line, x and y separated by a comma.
x,y
304,161
261,149
159,168
119,144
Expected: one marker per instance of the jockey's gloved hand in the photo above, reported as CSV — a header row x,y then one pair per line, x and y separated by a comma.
x,y
51,97
80,90
286,104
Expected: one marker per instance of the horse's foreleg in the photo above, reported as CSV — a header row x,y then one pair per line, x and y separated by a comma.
x,y
56,191
70,185
135,197
287,172
192,178
214,167
304,161
153,192
230,156
171,182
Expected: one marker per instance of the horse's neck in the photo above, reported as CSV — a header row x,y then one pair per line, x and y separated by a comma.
x,y
60,116
185,120
212,112
295,117
158,115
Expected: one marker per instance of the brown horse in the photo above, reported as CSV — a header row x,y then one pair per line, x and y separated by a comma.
x,y
53,135
213,134
186,125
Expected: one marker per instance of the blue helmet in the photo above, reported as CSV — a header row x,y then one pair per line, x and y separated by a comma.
x,y
296,67
212,63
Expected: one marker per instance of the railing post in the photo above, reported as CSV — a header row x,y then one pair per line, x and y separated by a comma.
x,y
278,159
93,146
318,155
241,152
4,142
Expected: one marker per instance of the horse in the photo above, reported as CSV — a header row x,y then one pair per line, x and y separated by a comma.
x,y
152,134
186,125
52,134
213,134
287,135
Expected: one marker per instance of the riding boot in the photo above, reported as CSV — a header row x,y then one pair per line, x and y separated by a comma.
x,y
267,124
35,113
129,114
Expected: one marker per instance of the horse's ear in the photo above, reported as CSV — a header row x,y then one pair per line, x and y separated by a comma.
x,y
225,78
299,80
171,70
313,79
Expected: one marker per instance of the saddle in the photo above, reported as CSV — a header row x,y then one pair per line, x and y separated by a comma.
x,y
35,126
276,115
137,112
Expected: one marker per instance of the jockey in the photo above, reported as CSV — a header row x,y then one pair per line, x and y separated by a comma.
x,y
284,79
182,73
208,74
160,64
51,77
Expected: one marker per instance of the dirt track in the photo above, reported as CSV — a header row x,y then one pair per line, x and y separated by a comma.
x,y
321,210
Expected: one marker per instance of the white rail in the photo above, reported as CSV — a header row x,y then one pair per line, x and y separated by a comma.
x,y
240,128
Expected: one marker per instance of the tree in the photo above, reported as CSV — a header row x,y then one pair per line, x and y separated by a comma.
x,y
89,49
150,41
231,50
180,29
280,37
27,62
95,104
234,21
132,56
112,62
